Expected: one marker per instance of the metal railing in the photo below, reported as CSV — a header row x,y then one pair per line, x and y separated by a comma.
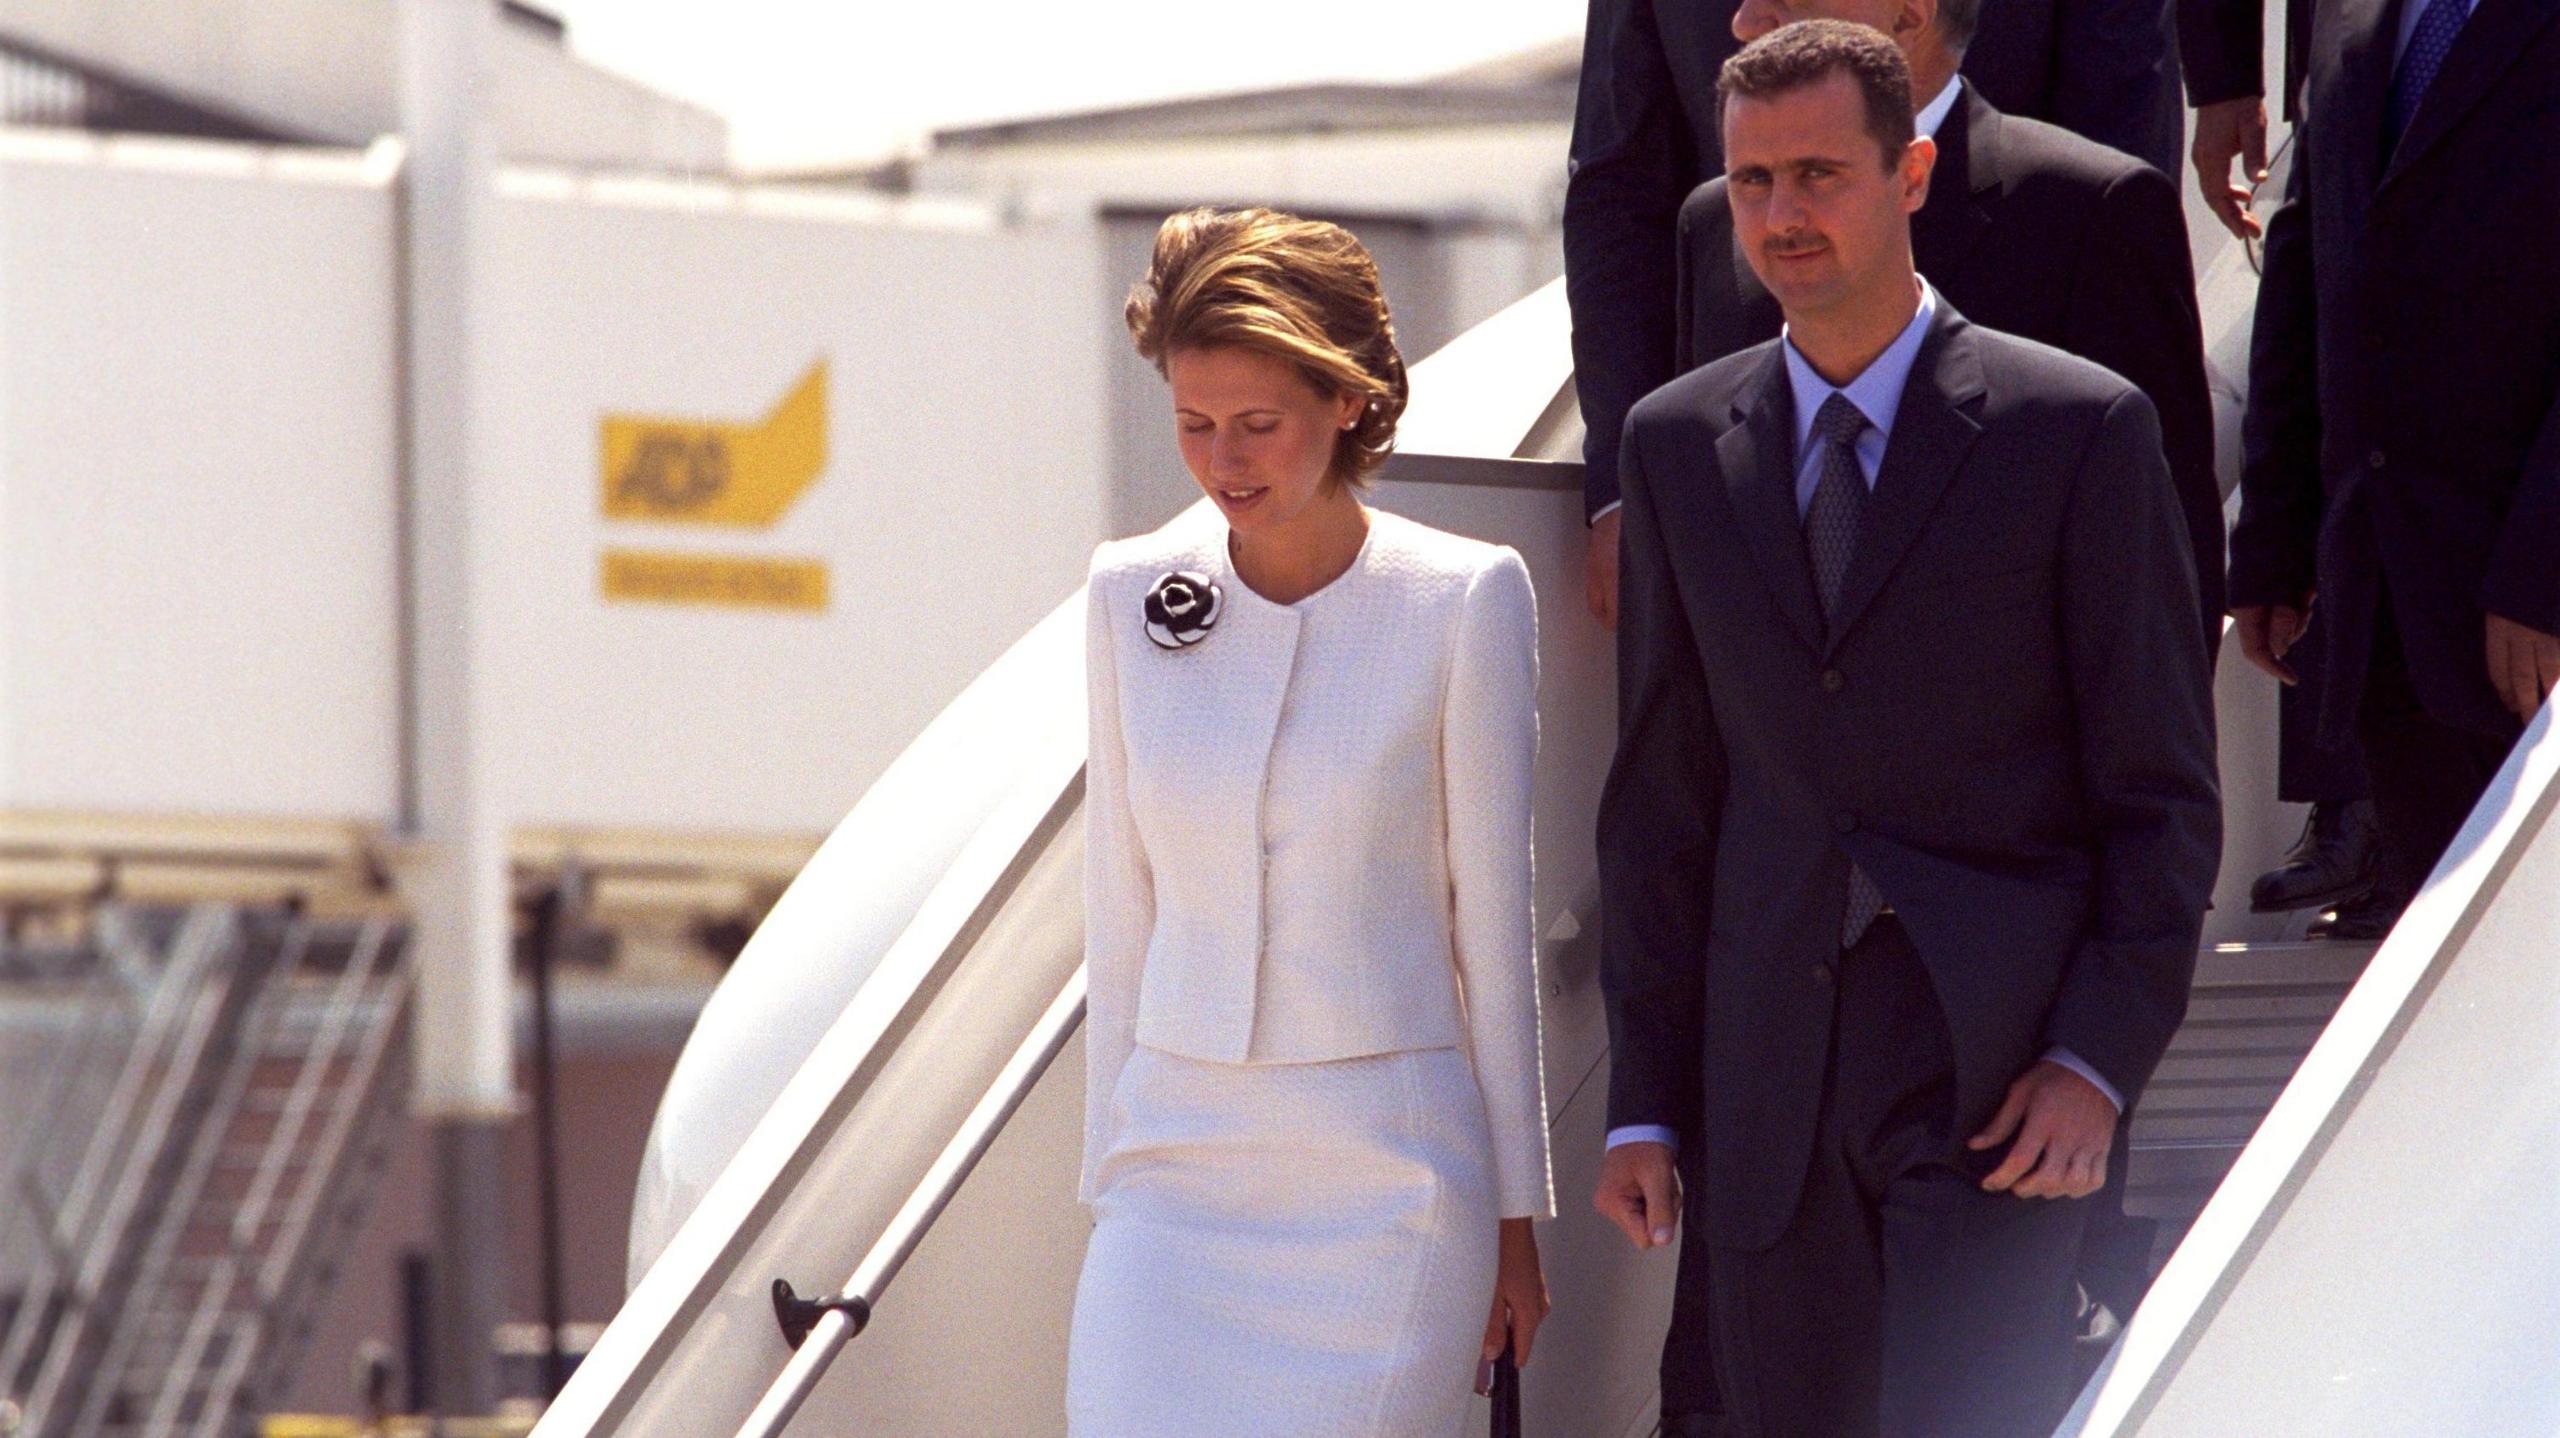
x,y
2469,954
818,1330
84,1227
182,1223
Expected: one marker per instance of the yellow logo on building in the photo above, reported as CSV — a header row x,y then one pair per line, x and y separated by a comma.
x,y
735,581
692,471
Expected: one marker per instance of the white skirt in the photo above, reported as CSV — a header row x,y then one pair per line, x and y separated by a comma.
x,y
1287,1249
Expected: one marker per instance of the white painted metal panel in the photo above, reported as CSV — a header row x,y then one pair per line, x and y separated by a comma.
x,y
2382,1260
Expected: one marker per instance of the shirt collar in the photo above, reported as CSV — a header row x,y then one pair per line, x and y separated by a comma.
x,y
1877,391
1935,113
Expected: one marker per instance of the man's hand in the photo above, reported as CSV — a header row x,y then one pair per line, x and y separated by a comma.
x,y
2524,665
1640,1192
2065,1127
1600,575
2227,130
2267,631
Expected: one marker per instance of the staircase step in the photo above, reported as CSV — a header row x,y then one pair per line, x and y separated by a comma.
x,y
2227,965
267,1101
244,1158
2255,1012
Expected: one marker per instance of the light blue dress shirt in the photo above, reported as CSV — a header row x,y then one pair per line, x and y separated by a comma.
x,y
1877,392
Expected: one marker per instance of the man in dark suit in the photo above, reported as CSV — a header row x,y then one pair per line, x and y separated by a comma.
x,y
2403,433
1907,843
2223,43
2028,229
2036,231
1644,136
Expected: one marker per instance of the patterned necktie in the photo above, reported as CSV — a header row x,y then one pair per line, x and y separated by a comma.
x,y
1831,537
2428,45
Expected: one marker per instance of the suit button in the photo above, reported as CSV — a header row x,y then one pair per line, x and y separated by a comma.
x,y
1832,681
1822,974
1843,823
2373,460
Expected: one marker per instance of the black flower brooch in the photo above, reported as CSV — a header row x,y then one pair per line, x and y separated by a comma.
x,y
1181,609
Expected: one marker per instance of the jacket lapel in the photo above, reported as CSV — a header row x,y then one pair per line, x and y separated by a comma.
x,y
1955,218
1757,457
2488,43
2351,107
1932,434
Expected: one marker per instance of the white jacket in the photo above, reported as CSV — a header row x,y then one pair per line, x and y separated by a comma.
x,y
1307,831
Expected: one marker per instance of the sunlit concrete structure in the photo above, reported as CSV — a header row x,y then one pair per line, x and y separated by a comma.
x,y
325,72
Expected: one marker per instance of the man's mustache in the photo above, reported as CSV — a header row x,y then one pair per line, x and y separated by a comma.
x,y
1789,246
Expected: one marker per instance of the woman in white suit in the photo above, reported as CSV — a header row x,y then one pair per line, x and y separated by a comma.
x,y
1316,1130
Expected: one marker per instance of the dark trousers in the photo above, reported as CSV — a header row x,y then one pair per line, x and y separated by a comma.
x,y
1902,1301
2114,1269
1691,1407
2426,774
2308,771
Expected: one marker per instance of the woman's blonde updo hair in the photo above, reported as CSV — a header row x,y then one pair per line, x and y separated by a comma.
x,y
1300,290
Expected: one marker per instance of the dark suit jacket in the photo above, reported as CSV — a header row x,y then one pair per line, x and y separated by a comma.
x,y
2009,729
2404,376
1646,133
2037,232
2222,44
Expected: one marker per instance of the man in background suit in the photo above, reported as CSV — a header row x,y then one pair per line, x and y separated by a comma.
x,y
1644,136
2028,229
1907,843
2223,44
2403,432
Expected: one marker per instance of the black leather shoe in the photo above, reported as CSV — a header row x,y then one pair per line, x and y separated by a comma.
x,y
2097,1329
2333,861
2365,919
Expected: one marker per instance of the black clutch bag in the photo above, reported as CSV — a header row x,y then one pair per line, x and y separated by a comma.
x,y
1506,1397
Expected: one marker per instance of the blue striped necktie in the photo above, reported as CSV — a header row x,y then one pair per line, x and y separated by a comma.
x,y
1830,537
2428,45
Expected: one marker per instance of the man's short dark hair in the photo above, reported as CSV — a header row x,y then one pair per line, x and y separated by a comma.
x,y
1957,20
1809,52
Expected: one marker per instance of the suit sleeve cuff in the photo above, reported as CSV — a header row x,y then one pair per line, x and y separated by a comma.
x,y
2067,1059
1601,513
1645,1133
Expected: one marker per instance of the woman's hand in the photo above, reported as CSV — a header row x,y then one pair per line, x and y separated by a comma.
x,y
1519,1299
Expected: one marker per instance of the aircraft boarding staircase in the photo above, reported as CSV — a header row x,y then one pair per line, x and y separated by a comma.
x,y
888,1087
179,1196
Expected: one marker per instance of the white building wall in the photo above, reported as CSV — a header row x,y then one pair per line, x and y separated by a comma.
x,y
199,593
1508,174
197,465
326,67
198,469
962,494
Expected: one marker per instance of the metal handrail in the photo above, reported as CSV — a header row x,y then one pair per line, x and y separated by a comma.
x,y
2521,806
945,930
840,1319
144,1116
